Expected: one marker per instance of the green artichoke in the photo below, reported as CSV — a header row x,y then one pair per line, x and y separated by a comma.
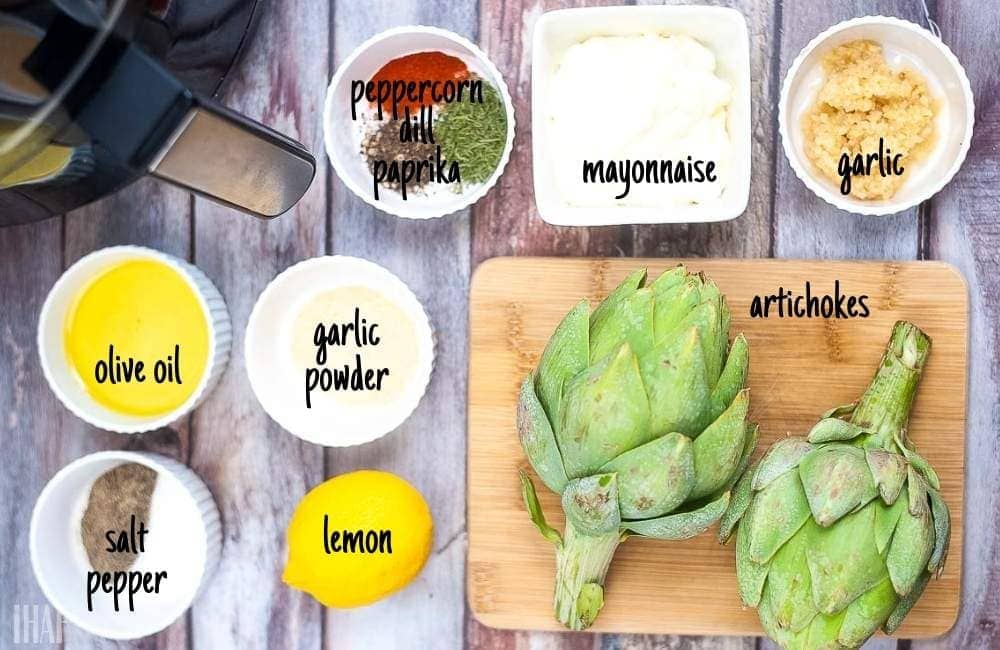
x,y
840,532
637,416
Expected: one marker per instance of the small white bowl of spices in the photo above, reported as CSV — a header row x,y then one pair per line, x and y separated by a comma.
x,y
418,122
338,350
121,542
876,115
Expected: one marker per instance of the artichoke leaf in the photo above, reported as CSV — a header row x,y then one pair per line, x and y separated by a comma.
x,y
725,323
632,322
605,414
668,299
733,377
842,411
783,637
821,634
654,478
910,550
749,445
535,510
591,504
942,532
589,603
906,603
719,449
537,438
834,430
837,480
919,462
669,279
843,561
707,319
671,306
784,455
867,613
674,377
681,525
739,502
917,492
789,588
564,357
750,575
886,518
614,301
780,510
889,471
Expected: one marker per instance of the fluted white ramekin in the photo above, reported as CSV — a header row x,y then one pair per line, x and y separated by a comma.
x,y
904,44
339,130
268,346
184,539
63,378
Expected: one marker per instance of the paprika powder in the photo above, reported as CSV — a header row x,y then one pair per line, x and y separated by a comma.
x,y
427,70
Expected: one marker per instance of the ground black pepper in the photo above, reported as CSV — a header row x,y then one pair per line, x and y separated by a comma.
x,y
115,497
384,144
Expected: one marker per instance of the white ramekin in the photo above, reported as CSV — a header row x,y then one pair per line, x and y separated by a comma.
x,y
906,44
63,378
720,29
187,546
340,131
267,350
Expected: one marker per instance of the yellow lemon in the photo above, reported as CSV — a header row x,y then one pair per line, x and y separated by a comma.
x,y
358,537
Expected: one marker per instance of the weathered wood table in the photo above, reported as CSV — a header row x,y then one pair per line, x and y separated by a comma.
x,y
257,471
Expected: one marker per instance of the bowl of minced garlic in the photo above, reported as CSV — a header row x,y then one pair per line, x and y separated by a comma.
x,y
876,115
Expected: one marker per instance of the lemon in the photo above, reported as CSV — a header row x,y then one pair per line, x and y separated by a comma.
x,y
358,537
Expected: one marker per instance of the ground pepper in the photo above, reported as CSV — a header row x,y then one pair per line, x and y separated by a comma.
x,y
419,67
384,144
116,496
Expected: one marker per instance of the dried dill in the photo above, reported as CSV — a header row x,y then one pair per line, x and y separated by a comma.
x,y
474,134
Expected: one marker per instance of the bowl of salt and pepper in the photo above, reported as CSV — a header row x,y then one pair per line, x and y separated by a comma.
x,y
139,532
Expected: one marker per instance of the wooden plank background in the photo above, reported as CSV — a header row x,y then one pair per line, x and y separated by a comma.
x,y
257,471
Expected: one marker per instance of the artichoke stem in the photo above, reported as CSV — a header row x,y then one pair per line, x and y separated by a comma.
x,y
581,565
885,407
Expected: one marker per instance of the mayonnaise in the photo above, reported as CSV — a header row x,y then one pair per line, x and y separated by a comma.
x,y
646,99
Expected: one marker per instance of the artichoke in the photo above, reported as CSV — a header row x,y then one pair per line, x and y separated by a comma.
x,y
637,416
840,532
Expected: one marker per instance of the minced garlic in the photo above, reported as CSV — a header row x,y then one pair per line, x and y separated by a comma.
x,y
861,102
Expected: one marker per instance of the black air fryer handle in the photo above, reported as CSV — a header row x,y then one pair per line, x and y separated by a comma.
x,y
229,158
149,121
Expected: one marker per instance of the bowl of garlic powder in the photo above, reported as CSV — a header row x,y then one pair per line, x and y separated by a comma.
x,y
876,115
339,351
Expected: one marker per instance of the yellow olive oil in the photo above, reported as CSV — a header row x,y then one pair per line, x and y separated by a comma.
x,y
138,338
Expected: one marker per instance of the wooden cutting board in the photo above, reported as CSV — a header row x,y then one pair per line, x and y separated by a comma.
x,y
799,367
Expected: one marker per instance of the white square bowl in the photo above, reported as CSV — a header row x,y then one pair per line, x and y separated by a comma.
x,y
724,31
